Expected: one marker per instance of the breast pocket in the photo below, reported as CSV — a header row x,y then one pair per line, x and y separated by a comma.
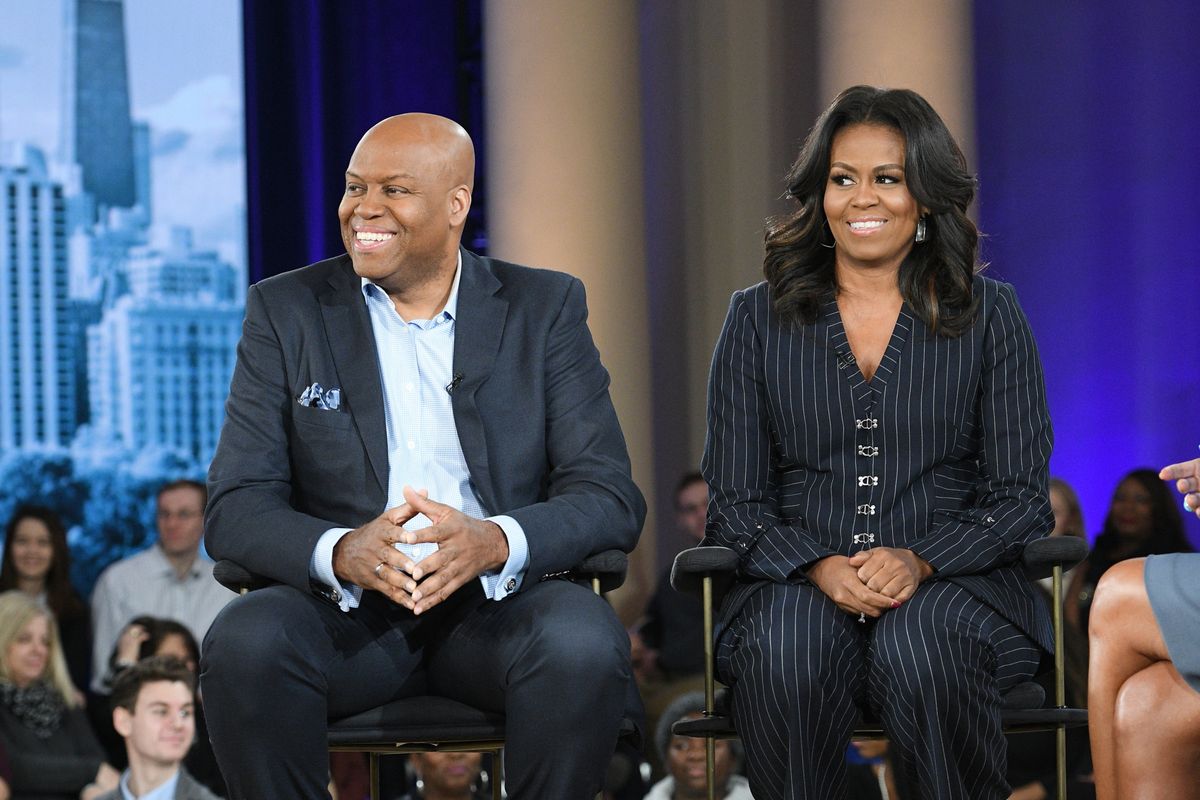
x,y
325,451
322,418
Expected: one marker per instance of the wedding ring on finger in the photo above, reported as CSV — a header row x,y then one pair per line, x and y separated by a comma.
x,y
378,567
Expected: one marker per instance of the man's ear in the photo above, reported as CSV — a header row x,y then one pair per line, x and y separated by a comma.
x,y
122,721
460,204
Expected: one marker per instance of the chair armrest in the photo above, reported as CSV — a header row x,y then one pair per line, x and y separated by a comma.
x,y
1041,556
694,564
236,578
610,566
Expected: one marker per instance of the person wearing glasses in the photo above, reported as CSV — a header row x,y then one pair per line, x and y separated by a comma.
x,y
171,579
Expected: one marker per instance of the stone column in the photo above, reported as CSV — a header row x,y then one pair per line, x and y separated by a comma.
x,y
923,45
564,173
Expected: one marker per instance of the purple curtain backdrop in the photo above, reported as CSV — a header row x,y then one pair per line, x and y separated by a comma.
x,y
316,78
1088,130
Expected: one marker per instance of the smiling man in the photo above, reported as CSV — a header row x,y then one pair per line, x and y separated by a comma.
x,y
169,580
154,705
416,439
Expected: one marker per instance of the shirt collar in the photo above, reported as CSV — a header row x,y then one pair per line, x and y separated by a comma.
x,y
164,791
167,566
451,309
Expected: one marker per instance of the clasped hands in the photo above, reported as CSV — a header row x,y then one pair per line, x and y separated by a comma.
x,y
870,582
467,548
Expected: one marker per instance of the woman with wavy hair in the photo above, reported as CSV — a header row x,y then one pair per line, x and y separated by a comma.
x,y
37,561
43,729
877,453
1142,520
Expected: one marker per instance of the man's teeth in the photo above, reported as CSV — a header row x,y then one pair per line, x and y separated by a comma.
x,y
366,236
864,226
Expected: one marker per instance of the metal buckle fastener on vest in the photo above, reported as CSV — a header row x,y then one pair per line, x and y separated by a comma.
x,y
868,450
868,480
870,423
864,538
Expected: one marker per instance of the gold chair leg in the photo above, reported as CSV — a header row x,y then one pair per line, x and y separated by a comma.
x,y
373,761
710,745
1060,689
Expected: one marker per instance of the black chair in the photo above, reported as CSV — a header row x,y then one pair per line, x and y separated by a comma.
x,y
431,723
708,572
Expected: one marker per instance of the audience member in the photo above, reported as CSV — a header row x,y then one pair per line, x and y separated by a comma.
x,y
445,776
170,580
1144,681
154,702
668,644
684,757
145,637
52,750
869,775
671,629
1142,520
37,561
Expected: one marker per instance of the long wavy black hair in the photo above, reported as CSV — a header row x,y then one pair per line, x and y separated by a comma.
x,y
1166,526
61,596
936,275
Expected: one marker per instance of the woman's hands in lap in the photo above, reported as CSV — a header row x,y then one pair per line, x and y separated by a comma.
x,y
838,579
892,571
871,581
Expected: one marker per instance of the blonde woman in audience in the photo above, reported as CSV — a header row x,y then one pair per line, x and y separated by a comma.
x,y
52,750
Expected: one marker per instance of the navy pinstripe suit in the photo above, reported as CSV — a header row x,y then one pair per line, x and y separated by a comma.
x,y
944,451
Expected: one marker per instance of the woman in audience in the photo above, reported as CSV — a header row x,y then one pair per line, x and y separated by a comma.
x,y
445,776
52,751
684,758
1144,681
1142,519
36,561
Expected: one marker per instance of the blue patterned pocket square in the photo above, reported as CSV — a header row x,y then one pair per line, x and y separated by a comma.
x,y
316,397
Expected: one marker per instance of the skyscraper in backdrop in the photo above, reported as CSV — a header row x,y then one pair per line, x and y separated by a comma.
x,y
105,322
39,333
97,126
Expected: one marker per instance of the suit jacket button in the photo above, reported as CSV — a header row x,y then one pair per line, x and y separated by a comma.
x,y
510,585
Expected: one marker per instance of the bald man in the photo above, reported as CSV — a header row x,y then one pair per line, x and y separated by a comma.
x,y
417,440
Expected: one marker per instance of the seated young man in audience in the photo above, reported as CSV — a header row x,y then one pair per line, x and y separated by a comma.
x,y
154,704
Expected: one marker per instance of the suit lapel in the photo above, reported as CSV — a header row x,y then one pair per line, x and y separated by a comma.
x,y
352,344
478,330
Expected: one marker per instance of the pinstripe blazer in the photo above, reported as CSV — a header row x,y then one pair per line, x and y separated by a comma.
x,y
944,451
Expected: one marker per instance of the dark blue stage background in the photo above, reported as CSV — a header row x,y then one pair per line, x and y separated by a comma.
x,y
1087,120
316,78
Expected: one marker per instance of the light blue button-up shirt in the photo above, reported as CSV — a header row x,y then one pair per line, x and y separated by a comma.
x,y
164,791
416,368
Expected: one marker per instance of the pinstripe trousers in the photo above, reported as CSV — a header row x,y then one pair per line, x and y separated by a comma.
x,y
802,670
